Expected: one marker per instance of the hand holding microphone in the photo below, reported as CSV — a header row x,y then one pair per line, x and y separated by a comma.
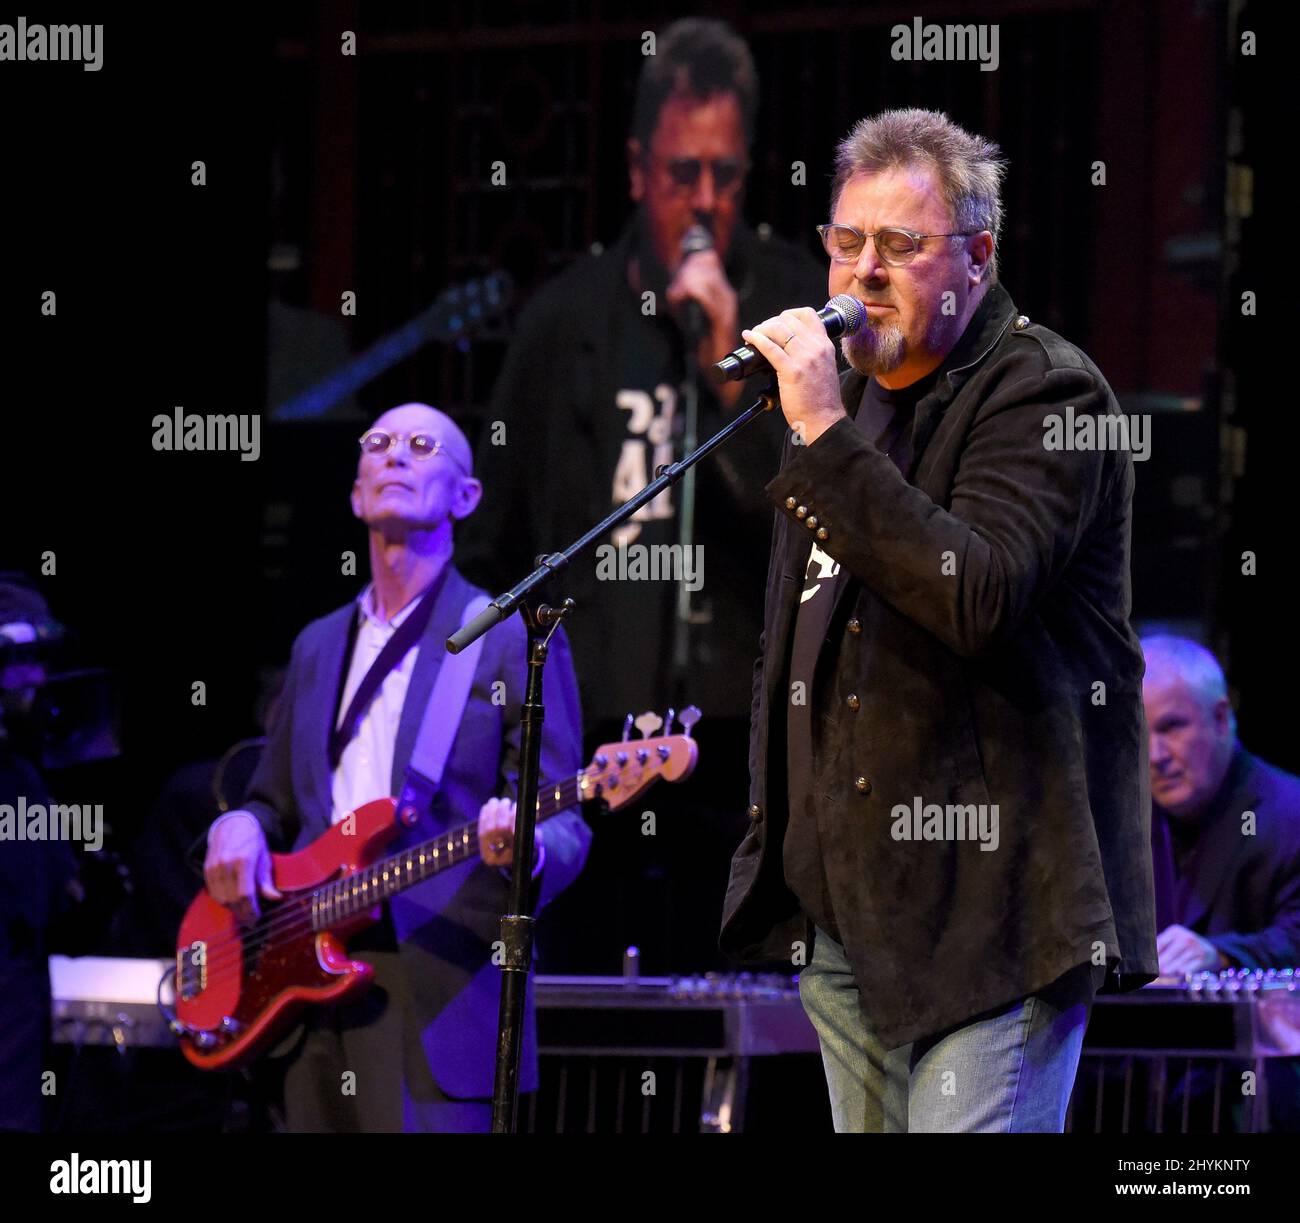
x,y
799,346
842,315
701,296
695,241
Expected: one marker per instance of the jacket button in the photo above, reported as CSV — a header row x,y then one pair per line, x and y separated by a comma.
x,y
854,626
801,512
811,524
852,701
755,812
822,533
862,785
790,503
1022,321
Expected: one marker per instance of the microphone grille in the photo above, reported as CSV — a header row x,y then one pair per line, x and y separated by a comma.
x,y
696,239
850,309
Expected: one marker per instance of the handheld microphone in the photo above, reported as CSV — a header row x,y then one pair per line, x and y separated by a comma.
x,y
842,315
694,240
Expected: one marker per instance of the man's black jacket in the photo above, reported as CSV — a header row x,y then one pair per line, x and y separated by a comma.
x,y
984,656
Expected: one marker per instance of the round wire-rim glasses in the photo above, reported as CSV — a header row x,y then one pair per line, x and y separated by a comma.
x,y
895,245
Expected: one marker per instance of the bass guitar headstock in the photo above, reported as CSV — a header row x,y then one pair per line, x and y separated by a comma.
x,y
620,772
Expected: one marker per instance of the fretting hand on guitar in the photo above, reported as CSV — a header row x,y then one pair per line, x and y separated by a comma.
x,y
496,832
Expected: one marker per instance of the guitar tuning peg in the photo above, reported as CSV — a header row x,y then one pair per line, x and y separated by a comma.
x,y
627,728
688,717
648,723
668,720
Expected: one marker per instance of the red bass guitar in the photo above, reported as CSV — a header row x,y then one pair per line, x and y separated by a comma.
x,y
239,989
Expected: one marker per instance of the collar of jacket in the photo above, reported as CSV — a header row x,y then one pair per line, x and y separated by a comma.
x,y
986,328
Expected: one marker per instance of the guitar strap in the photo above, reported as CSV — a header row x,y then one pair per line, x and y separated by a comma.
x,y
441,719
404,637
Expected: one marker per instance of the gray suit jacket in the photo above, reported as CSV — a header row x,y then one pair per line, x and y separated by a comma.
x,y
446,926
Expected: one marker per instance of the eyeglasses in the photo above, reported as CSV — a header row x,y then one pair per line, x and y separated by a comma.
x,y
728,172
421,445
897,247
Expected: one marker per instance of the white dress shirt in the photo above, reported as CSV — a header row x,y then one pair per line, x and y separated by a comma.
x,y
365,770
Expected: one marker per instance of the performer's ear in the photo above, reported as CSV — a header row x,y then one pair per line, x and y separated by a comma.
x,y
635,170
468,495
980,255
356,498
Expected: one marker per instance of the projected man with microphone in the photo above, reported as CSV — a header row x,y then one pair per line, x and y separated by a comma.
x,y
590,402
591,396
949,797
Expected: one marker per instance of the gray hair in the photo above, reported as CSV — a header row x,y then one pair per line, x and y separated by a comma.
x,y
970,168
1192,663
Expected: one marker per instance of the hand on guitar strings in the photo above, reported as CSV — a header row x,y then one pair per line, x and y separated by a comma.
x,y
237,869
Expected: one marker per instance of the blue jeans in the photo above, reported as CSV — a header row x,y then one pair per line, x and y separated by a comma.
x,y
1008,1071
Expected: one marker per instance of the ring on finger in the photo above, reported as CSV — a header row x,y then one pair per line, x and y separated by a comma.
x,y
788,339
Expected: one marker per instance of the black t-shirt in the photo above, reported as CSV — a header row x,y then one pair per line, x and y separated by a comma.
x,y
885,417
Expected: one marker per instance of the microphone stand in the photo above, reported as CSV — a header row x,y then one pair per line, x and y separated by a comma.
x,y
693,330
541,620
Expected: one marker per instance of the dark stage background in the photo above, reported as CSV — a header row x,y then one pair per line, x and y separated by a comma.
x,y
328,173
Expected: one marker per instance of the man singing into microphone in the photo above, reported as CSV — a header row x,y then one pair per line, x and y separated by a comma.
x,y
949,787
